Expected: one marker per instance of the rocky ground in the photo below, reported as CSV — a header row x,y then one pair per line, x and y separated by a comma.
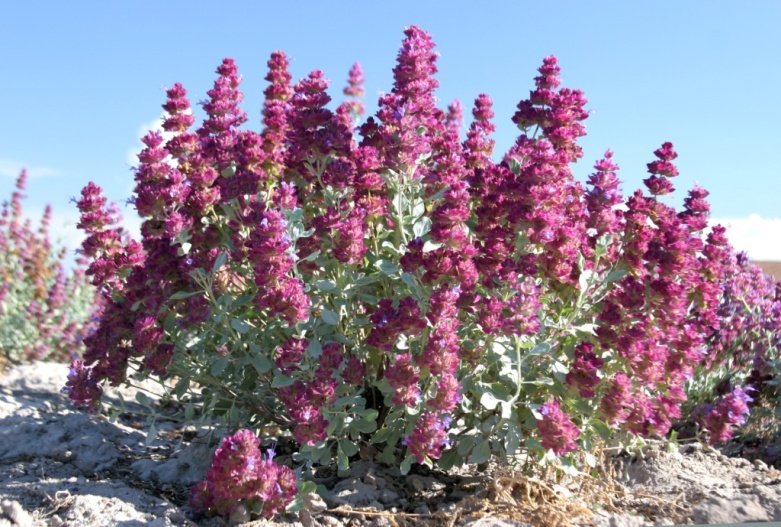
x,y
61,467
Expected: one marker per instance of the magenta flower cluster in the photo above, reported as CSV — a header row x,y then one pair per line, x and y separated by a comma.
x,y
720,418
558,432
241,475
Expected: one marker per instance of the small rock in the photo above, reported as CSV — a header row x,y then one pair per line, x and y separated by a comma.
x,y
690,448
13,511
329,521
381,521
420,483
314,503
389,497
352,492
760,465
423,509
740,509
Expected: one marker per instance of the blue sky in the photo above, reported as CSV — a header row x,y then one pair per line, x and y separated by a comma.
x,y
83,80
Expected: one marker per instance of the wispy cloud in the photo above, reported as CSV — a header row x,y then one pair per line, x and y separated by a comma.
x,y
12,168
759,237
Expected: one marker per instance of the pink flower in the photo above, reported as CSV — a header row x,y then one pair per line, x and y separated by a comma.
x,y
727,412
403,376
429,437
558,432
82,386
583,371
240,474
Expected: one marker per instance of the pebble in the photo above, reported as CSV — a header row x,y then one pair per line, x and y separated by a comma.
x,y
760,465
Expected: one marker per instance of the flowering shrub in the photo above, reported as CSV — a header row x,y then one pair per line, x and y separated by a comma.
x,y
394,285
744,352
45,311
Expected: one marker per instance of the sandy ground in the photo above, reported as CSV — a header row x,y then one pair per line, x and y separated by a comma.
x,y
61,467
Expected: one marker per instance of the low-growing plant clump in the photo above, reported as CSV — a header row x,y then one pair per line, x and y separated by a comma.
x,y
386,284
45,309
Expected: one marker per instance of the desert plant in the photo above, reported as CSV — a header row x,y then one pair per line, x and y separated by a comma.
x,y
396,286
46,310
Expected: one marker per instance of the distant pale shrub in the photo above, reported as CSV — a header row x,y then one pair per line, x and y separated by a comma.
x,y
45,310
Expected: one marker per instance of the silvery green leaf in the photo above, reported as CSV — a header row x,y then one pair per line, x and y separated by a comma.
x,y
363,426
348,447
406,465
465,444
239,325
533,444
387,267
348,400
543,348
325,285
366,280
381,435
219,366
314,349
585,279
369,299
513,438
507,409
614,275
410,280
151,435
229,171
342,463
241,300
449,459
261,363
181,386
184,294
330,317
586,328
488,401
312,257
280,381
220,261
392,248
429,246
601,428
143,399
370,414
419,209
481,452
422,227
